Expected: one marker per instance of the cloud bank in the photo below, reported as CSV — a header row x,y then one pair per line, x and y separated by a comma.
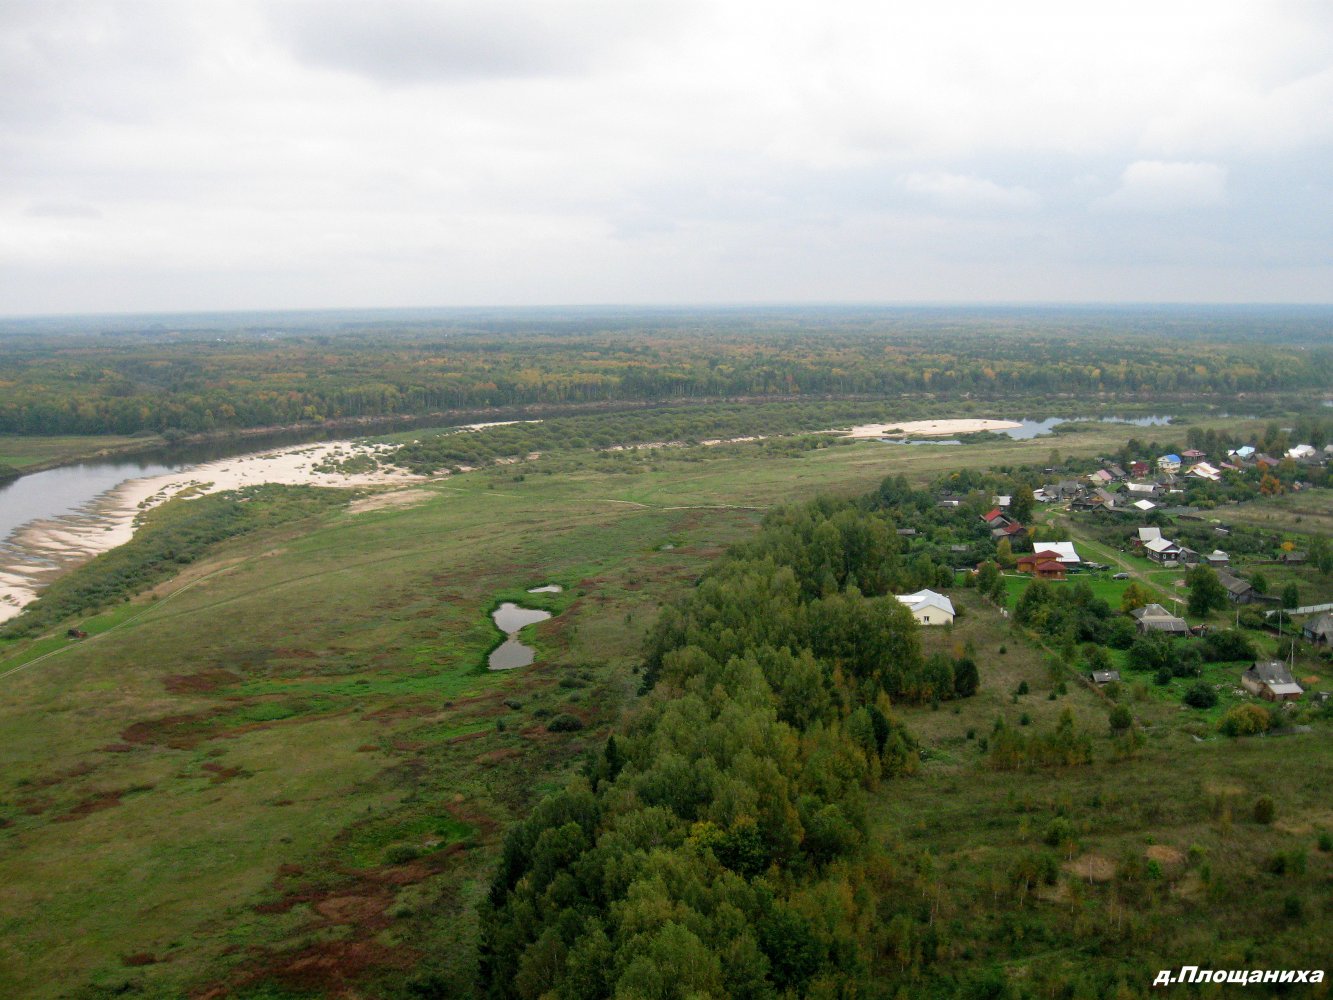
x,y
253,155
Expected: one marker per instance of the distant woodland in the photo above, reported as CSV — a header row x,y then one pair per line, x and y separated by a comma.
x,y
119,381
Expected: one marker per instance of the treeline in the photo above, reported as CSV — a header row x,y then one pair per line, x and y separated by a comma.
x,y
79,384
170,537
718,846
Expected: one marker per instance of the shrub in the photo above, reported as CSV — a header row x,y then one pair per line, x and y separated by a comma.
x,y
401,854
1228,644
1245,720
1058,831
1200,695
564,723
1265,809
1121,719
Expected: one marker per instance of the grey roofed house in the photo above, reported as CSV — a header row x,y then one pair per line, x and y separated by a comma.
x,y
1155,618
1272,680
1319,630
1292,557
1149,534
1116,471
1162,550
1217,559
1105,676
1240,591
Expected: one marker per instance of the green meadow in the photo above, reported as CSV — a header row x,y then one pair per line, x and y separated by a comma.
x,y
286,771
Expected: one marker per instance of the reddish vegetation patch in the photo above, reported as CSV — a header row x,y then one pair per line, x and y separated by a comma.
x,y
362,911
495,756
367,748
139,958
465,737
180,732
34,805
117,748
479,821
220,773
203,682
282,802
291,870
335,965
401,712
294,654
408,746
96,803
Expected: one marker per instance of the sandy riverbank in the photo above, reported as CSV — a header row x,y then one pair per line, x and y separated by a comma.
x,y
41,550
931,428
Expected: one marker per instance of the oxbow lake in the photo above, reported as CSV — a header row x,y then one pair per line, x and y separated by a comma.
x,y
510,618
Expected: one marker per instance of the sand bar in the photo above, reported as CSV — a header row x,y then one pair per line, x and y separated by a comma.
x,y
931,428
41,550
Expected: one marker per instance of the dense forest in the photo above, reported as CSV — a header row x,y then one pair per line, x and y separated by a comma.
x,y
719,846
118,381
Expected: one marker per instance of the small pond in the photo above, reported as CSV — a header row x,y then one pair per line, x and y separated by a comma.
x,y
509,618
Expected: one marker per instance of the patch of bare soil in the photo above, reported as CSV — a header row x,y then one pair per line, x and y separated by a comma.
x,y
1165,855
383,501
1092,867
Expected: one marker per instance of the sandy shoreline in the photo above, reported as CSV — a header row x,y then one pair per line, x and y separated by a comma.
x,y
931,428
41,550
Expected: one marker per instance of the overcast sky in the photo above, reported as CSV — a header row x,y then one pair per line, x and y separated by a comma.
x,y
196,155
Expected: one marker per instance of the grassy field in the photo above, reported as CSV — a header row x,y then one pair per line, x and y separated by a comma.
x,y
285,772
23,452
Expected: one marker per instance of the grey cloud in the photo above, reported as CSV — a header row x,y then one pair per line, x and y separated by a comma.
x,y
59,210
411,41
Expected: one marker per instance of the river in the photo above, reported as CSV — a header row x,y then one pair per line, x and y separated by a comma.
x,y
52,520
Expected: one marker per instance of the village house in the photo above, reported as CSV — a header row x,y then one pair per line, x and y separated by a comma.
x,y
1100,677
1143,506
1143,489
1217,559
1169,463
1155,618
1271,680
1044,564
1240,591
1160,550
1193,455
1292,558
1139,469
1319,630
928,607
1063,551
1301,453
1205,471
1146,534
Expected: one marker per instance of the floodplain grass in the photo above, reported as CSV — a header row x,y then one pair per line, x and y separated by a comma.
x,y
23,452
209,783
